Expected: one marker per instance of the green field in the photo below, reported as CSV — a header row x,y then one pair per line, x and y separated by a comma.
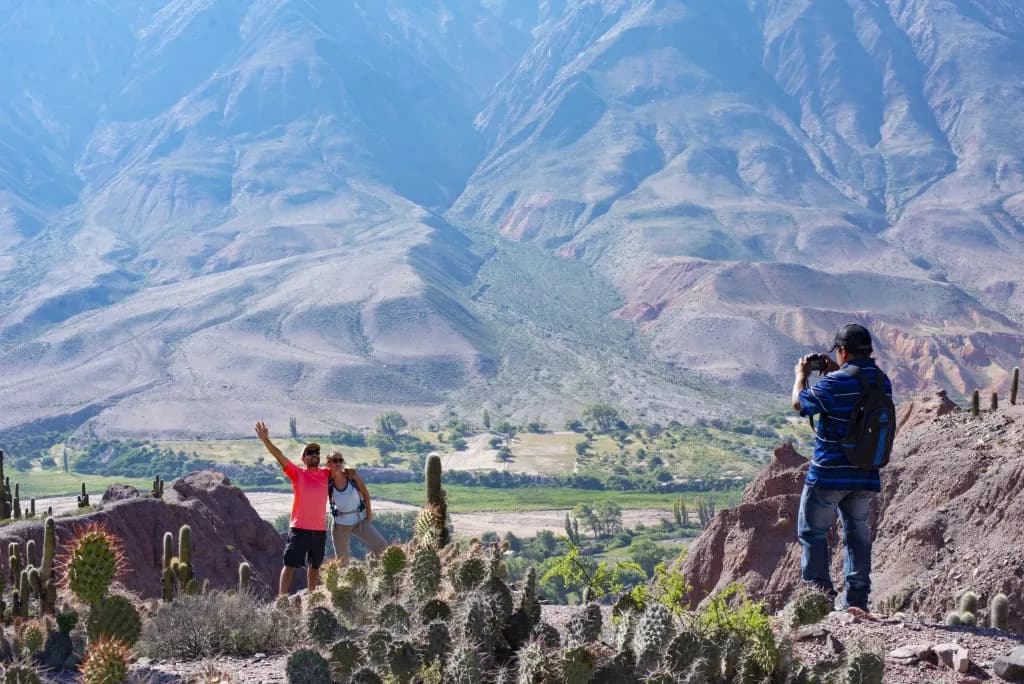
x,y
463,499
39,483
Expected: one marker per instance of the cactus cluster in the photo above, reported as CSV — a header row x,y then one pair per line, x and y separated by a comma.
x,y
177,574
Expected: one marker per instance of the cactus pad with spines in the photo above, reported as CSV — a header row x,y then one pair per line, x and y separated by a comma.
x,y
436,640
106,662
654,630
322,626
394,617
584,626
435,609
366,675
463,667
577,665
306,666
345,658
114,618
426,572
468,574
93,562
864,667
403,660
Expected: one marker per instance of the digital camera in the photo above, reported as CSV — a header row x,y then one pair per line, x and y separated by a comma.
x,y
817,362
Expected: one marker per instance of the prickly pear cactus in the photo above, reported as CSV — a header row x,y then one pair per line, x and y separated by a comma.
x,y
684,648
355,577
864,667
345,658
345,599
528,603
468,574
106,661
546,634
584,626
435,609
403,660
501,598
653,632
535,667
114,618
377,643
22,673
479,623
393,561
322,626
463,667
394,617
366,675
577,665
93,562
306,666
436,641
426,573
806,608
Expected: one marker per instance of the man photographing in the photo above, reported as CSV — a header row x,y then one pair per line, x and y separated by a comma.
x,y
853,439
307,534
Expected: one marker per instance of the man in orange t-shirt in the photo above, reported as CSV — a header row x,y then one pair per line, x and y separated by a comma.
x,y
307,536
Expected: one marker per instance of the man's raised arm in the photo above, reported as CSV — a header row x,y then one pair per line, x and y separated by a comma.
x,y
264,434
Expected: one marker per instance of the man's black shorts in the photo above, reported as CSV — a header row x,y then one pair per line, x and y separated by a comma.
x,y
304,546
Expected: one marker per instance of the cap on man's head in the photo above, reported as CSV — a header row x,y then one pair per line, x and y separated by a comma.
x,y
854,338
312,446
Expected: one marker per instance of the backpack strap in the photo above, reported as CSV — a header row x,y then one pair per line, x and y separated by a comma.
x,y
330,497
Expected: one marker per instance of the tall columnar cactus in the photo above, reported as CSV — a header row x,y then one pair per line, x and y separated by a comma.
x,y
183,568
93,562
158,488
83,498
24,592
994,402
30,552
975,403
32,508
1014,382
168,554
13,561
244,577
49,547
16,502
999,612
436,501
5,501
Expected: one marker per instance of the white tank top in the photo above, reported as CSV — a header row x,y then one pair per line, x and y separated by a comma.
x,y
347,502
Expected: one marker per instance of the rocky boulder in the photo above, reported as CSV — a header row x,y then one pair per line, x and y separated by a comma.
x,y
226,530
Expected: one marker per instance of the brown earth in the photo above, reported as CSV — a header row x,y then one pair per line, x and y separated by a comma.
x,y
225,531
950,518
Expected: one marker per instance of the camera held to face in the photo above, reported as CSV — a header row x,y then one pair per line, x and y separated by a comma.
x,y
817,362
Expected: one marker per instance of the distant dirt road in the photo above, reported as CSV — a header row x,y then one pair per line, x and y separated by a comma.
x,y
271,505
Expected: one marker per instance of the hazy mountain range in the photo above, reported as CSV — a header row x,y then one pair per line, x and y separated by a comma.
x,y
213,211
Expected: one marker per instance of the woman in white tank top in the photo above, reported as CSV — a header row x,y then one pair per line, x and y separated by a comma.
x,y
350,507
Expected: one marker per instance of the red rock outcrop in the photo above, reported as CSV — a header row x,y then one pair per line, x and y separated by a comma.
x,y
226,530
950,518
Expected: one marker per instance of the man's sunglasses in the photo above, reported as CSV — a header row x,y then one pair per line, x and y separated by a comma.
x,y
314,452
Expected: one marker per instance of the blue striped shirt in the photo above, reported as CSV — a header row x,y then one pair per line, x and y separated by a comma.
x,y
833,398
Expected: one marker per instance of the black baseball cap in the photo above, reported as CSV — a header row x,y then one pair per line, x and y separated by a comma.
x,y
853,337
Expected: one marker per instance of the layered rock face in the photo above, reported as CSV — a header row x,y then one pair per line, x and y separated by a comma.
x,y
950,518
226,530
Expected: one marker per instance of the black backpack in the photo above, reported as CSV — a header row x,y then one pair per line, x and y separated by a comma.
x,y
872,425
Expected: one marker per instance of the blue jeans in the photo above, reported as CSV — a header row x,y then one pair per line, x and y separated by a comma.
x,y
817,513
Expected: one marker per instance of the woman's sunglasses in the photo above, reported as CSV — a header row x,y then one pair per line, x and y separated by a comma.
x,y
335,460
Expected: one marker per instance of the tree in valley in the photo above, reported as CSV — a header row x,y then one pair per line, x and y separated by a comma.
x,y
391,423
602,418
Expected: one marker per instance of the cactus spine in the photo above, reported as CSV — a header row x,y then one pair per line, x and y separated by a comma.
x,y
975,403
1014,381
999,612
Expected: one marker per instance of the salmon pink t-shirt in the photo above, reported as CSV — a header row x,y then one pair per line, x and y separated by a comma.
x,y
309,505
